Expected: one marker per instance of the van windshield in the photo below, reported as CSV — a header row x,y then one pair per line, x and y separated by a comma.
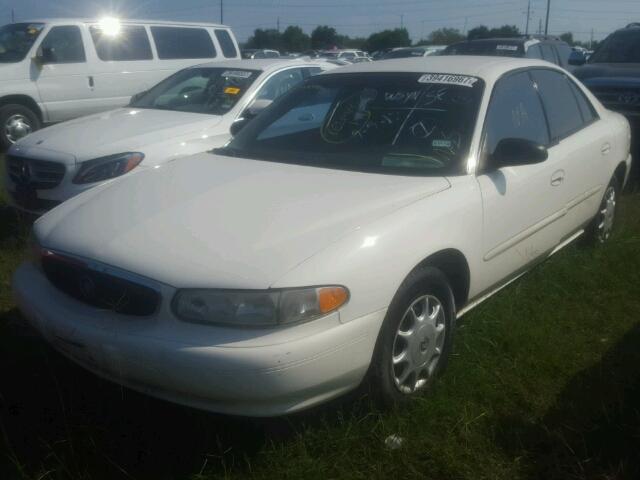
x,y
390,123
17,39
213,91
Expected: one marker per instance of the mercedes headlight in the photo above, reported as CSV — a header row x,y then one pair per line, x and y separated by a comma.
x,y
258,308
104,168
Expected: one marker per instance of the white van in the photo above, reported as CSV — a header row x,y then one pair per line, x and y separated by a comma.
x,y
56,70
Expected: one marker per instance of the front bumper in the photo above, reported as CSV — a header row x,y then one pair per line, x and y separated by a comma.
x,y
250,372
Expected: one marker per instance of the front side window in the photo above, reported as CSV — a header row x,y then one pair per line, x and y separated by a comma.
x,y
226,44
619,47
128,43
176,43
515,112
63,45
389,123
212,91
559,102
17,39
280,84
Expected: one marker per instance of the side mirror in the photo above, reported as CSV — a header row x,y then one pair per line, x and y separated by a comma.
x,y
511,152
257,106
238,125
136,97
44,55
577,59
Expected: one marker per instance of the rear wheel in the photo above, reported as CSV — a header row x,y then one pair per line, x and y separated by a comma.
x,y
415,339
16,121
601,227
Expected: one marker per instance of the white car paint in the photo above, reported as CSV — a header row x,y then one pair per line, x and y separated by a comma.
x,y
161,135
216,222
61,91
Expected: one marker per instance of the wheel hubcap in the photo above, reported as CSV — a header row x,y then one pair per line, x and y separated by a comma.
x,y
418,344
607,214
16,127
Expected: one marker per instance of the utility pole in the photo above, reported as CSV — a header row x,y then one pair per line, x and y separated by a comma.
x,y
526,30
464,30
591,40
278,23
401,21
221,11
422,30
546,25
13,16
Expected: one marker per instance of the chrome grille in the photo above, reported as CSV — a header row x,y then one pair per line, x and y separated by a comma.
x,y
39,174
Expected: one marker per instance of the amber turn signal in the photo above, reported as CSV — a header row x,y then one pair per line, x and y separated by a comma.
x,y
331,298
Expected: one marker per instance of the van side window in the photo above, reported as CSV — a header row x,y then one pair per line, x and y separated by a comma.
x,y
178,42
534,52
226,43
63,45
548,54
130,43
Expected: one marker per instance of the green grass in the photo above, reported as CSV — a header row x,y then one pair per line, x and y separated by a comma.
x,y
544,383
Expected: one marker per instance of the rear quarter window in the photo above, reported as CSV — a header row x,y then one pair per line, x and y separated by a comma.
x,y
559,102
174,43
226,44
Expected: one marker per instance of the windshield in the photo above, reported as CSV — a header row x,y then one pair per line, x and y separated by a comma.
x,y
395,123
199,90
486,47
404,53
620,47
17,39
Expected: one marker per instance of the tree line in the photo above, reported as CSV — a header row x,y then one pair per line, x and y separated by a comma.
x,y
294,39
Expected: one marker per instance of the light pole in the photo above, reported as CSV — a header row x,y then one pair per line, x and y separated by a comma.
x,y
221,11
546,25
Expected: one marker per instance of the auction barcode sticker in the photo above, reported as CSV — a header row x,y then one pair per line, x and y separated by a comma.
x,y
447,79
237,73
511,48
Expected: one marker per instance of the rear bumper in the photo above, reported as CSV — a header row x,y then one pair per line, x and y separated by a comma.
x,y
264,380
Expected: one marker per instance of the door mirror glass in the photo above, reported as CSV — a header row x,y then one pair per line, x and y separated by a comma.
x,y
577,58
136,97
44,55
238,125
511,152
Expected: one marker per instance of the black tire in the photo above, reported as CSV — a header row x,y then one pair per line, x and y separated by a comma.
x,y
382,384
599,229
12,110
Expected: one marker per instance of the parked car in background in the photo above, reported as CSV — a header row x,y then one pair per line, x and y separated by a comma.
x,y
540,47
613,75
56,70
192,111
251,53
336,239
378,54
349,55
408,52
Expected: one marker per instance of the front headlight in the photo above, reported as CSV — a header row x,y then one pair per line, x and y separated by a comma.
x,y
104,168
258,308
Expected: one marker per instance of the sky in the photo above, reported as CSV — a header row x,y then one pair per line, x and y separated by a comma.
x,y
350,17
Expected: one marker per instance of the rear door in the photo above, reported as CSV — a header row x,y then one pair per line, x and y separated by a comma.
x,y
62,78
578,140
522,204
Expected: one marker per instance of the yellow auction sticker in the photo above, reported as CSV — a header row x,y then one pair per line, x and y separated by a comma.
x,y
232,90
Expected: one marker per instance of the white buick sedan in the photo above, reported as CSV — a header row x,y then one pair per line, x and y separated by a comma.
x,y
190,112
336,239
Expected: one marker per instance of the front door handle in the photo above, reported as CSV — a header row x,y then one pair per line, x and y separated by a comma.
x,y
557,178
605,149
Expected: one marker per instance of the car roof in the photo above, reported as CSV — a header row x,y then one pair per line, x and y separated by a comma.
x,y
488,68
123,21
264,64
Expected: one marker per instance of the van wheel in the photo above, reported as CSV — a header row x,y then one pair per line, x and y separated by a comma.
x,y
415,339
600,228
16,121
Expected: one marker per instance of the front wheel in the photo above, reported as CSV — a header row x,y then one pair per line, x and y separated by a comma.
x,y
16,122
415,339
601,227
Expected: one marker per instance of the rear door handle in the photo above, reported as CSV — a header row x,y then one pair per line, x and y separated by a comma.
x,y
605,149
91,82
557,178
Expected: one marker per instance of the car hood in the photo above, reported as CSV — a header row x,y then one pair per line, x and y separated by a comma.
x,y
609,74
116,131
214,221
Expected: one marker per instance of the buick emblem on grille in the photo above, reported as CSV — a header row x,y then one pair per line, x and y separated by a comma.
x,y
87,287
629,98
24,174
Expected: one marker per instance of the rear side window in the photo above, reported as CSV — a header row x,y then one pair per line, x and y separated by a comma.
x,y
63,45
129,43
226,44
559,101
176,42
548,54
515,111
534,52
564,52
586,108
